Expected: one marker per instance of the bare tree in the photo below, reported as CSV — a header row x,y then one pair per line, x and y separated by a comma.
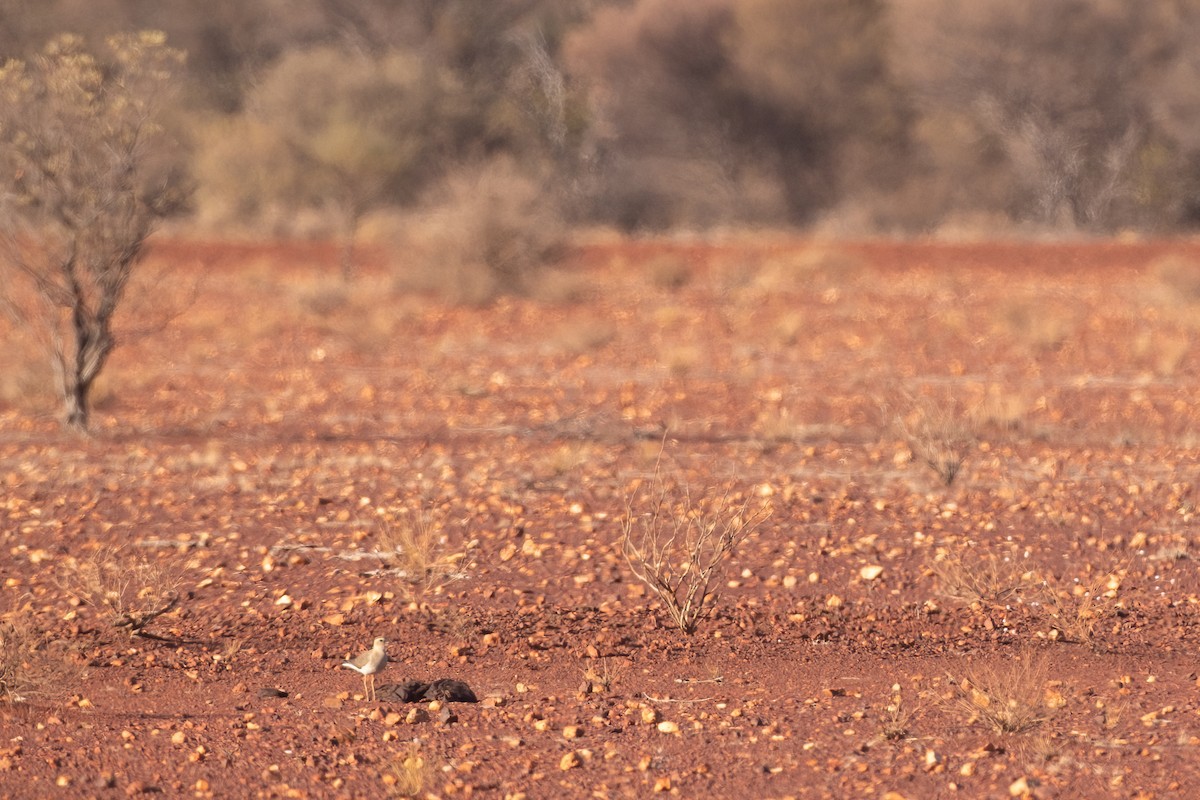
x,y
82,184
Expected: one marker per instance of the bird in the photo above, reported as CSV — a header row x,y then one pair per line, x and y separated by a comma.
x,y
367,663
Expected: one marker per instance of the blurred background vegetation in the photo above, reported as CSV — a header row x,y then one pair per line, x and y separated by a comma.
x,y
855,117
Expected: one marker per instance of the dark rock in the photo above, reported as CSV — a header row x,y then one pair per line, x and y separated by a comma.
x,y
446,690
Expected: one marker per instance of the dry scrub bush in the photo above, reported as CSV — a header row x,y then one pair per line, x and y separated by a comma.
x,y
1075,608
131,591
1072,608
988,578
939,432
1006,695
487,231
680,546
31,666
335,131
1042,323
415,548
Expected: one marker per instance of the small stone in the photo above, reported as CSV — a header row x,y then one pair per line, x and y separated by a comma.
x,y
569,761
668,727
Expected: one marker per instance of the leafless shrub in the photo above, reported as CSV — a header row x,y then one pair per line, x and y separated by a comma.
x,y
415,547
1007,695
1069,142
31,666
970,576
939,433
132,591
679,546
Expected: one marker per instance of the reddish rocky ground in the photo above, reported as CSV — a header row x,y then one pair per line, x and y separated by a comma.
x,y
1028,630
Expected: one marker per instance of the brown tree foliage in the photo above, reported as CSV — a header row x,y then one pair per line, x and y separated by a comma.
x,y
869,114
1062,94
720,101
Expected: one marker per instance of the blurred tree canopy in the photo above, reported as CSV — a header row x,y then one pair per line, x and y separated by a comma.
x,y
877,115
86,172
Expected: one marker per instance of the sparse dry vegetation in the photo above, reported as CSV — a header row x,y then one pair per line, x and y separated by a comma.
x,y
409,774
1076,607
461,449
32,666
977,575
938,431
128,589
680,545
489,230
414,546
1007,696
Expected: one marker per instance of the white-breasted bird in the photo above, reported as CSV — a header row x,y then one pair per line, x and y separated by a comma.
x,y
367,663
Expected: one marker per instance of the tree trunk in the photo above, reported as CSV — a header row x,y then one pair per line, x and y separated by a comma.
x,y
93,343
347,257
76,407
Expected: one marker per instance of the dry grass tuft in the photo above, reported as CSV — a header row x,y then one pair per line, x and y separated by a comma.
x,y
598,679
416,549
896,719
409,774
1007,695
1041,323
1076,608
32,666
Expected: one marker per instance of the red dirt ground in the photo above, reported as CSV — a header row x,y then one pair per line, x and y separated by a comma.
x,y
1030,630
